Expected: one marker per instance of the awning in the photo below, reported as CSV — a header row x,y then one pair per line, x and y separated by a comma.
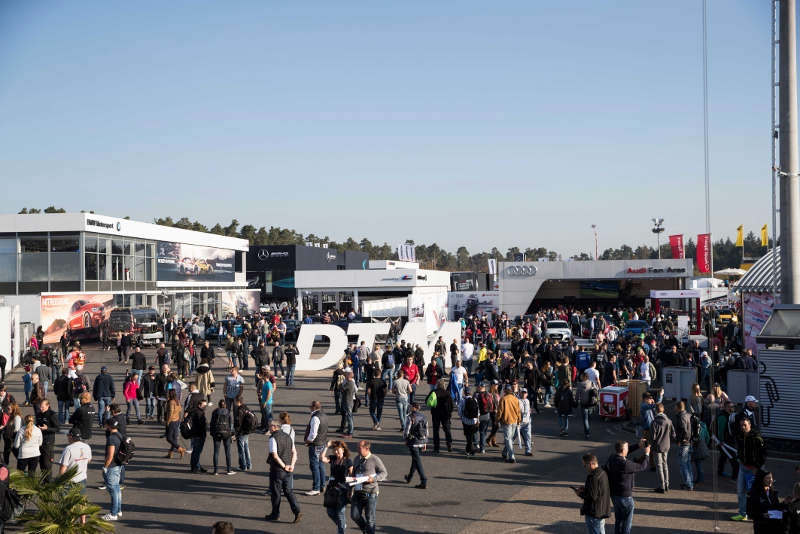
x,y
761,275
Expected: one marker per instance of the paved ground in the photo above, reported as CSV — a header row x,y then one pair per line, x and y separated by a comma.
x,y
470,495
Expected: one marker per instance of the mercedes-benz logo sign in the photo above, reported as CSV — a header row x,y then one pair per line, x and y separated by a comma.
x,y
521,270
263,254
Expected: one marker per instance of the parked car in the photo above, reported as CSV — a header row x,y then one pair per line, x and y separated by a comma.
x,y
84,314
141,324
635,328
558,331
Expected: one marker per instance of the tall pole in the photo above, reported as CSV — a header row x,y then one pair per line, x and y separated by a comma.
x,y
658,241
773,134
705,134
789,179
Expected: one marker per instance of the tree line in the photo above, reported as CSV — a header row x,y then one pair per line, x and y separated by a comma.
x,y
432,256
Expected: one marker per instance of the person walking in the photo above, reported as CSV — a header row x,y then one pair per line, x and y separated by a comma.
x,y
244,422
441,414
28,442
586,397
199,425
565,402
103,392
221,429
402,392
76,454
365,495
662,432
291,363
47,422
526,422
113,471
173,417
12,422
267,397
683,436
281,460
130,390
416,436
761,500
349,390
469,411
63,390
316,435
621,471
234,386
752,454
509,417
596,496
341,468
376,394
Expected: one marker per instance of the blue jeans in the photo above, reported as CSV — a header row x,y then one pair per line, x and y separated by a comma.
x,y
387,376
402,410
243,447
509,432
197,450
416,463
376,411
623,514
685,458
595,525
742,487
338,516
483,427
317,468
150,407
698,468
527,436
467,364
113,478
266,415
63,410
563,422
102,402
362,510
586,412
347,419
290,375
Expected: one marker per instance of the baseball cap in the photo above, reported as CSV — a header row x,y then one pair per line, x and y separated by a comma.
x,y
74,432
104,368
750,398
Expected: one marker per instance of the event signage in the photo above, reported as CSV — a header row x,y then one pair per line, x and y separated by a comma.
x,y
181,262
413,333
676,243
655,270
704,253
521,270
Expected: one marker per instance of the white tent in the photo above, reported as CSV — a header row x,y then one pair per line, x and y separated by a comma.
x,y
731,272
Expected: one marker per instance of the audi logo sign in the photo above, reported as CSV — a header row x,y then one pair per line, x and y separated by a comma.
x,y
521,270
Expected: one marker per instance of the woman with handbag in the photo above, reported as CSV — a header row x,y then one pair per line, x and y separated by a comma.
x,y
337,492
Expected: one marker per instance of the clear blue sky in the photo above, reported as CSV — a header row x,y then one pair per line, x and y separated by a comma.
x,y
517,123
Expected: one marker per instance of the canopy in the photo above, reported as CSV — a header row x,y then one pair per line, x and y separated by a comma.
x,y
731,272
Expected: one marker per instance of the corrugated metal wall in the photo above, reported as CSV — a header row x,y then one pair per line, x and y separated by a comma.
x,y
779,393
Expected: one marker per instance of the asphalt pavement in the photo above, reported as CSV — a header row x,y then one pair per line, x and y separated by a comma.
x,y
465,494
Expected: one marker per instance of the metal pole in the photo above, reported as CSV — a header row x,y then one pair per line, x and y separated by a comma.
x,y
773,134
706,174
658,243
789,179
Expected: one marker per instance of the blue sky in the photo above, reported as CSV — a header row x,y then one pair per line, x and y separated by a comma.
x,y
518,123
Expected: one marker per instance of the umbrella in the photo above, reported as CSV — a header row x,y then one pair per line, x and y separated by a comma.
x,y
731,272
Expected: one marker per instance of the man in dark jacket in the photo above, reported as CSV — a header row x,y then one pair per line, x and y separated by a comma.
x,y
199,431
683,436
47,421
596,496
138,361
621,473
207,352
291,363
376,393
441,416
161,380
103,392
662,432
63,390
82,418
752,455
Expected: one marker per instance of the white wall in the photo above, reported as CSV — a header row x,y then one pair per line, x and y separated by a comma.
x,y
30,307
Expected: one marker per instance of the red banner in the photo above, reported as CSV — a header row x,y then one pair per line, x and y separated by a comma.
x,y
704,252
676,242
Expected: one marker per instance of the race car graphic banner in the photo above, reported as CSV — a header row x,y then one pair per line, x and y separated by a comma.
x,y
179,262
80,315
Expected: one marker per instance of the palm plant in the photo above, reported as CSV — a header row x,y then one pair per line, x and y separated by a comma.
x,y
56,506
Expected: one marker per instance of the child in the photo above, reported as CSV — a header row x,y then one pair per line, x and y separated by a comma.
x,y
27,384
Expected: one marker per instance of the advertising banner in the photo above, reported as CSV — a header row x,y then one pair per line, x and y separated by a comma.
x,y
756,309
704,252
179,262
676,243
80,315
240,302
465,303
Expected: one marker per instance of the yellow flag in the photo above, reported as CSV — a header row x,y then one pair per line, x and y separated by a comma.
x,y
764,239
739,236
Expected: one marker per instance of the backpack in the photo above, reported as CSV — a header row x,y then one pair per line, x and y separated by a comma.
x,y
591,399
471,410
125,452
12,506
486,403
186,427
419,428
432,400
248,422
695,427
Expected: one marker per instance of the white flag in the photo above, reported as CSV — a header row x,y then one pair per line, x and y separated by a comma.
x,y
492,266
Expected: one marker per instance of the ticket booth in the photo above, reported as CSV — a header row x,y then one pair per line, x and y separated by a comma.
x,y
680,302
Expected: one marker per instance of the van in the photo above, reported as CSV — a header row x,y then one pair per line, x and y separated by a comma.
x,y
142,324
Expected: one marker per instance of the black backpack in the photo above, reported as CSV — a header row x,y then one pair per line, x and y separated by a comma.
x,y
125,452
186,427
248,423
419,428
471,410
694,425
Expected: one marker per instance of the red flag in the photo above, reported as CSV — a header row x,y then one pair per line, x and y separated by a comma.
x,y
676,242
704,252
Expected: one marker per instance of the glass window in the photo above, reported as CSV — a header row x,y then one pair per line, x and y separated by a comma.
x,y
90,242
139,272
33,267
8,245
148,264
127,268
117,269
90,263
64,243
102,245
33,243
139,249
128,249
116,246
65,286
102,274
65,266
8,268
151,250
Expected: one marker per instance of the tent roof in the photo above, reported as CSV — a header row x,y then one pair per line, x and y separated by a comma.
x,y
760,276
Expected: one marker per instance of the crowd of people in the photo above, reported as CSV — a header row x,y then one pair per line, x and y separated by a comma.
x,y
496,378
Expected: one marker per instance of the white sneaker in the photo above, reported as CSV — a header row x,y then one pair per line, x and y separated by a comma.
x,y
311,493
111,517
230,473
